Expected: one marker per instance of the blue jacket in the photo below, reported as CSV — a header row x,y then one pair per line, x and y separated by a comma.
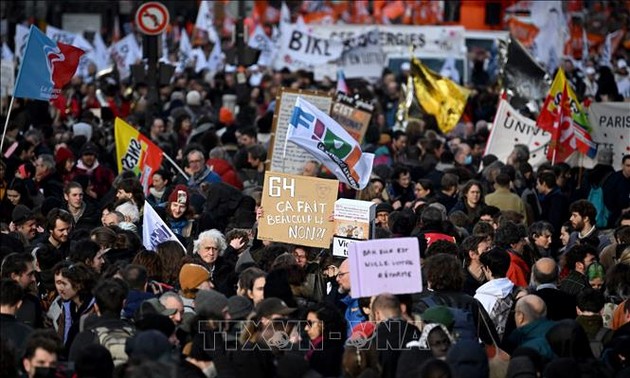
x,y
353,313
134,300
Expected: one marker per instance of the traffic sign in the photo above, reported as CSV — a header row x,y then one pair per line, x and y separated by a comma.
x,y
152,18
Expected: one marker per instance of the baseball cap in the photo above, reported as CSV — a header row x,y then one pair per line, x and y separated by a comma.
x,y
270,306
159,307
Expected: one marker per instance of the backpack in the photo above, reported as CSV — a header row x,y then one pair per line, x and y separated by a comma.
x,y
502,310
596,197
464,322
114,339
597,344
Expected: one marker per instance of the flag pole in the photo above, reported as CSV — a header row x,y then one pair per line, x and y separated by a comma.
x,y
170,160
6,123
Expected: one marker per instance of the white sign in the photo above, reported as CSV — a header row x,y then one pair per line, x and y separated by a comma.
x,y
511,128
611,127
152,18
300,49
340,246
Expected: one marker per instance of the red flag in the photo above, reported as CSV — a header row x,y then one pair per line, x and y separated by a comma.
x,y
562,143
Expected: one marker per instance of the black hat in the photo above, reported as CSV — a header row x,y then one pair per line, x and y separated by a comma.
x,y
384,207
239,307
89,149
21,214
270,306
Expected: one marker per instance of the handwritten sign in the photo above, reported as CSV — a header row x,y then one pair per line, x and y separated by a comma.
x,y
385,266
296,209
340,246
294,157
353,114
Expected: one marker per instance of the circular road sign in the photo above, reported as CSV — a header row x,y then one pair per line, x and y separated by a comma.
x,y
152,18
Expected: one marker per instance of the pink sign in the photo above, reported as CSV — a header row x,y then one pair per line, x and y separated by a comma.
x,y
385,266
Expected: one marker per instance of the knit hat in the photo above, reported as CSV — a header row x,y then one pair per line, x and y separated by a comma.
x,y
150,344
193,98
210,304
63,154
21,214
82,128
439,314
226,117
179,195
468,359
239,307
192,275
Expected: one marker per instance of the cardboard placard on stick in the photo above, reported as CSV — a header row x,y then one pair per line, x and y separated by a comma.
x,y
297,209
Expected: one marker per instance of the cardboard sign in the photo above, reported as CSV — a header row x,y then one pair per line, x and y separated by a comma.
x,y
353,114
385,266
294,156
297,209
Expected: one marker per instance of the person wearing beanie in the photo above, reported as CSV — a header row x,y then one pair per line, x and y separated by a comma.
x,y
179,214
192,278
100,177
65,160
23,220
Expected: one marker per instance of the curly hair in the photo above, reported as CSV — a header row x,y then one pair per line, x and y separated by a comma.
x,y
444,272
151,261
170,253
82,277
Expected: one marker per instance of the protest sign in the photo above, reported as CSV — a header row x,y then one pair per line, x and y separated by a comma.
x,y
353,114
610,122
294,156
385,266
297,209
340,245
300,49
354,218
512,128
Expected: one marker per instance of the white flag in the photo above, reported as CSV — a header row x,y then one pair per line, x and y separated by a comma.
x,y
154,230
185,51
330,144
7,54
21,37
260,41
101,53
205,20
125,53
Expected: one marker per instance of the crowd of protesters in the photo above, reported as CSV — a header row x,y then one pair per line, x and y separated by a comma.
x,y
516,261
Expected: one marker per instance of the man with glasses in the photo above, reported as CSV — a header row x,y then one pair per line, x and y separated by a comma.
x,y
198,171
344,301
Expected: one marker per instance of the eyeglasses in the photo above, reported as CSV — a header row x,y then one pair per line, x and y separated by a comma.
x,y
340,274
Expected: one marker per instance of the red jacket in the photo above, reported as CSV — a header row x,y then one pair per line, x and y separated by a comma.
x,y
519,271
224,169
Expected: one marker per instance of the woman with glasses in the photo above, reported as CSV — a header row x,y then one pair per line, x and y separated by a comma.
x,y
326,330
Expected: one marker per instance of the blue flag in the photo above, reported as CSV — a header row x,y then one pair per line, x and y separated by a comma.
x,y
47,66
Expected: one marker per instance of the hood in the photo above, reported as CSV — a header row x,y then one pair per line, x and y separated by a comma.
x,y
219,166
500,288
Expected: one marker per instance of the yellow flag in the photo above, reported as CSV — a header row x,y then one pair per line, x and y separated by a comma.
x,y
438,95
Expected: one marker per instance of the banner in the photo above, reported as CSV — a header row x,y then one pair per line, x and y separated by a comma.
x,y
125,53
524,80
438,96
363,56
288,157
100,54
353,114
46,68
561,105
301,50
296,209
135,152
512,128
154,230
205,20
385,266
330,144
610,122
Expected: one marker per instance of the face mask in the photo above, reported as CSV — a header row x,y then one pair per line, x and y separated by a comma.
x,y
468,160
44,372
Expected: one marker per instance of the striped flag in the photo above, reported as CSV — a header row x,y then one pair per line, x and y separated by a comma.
x,y
341,83
330,144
